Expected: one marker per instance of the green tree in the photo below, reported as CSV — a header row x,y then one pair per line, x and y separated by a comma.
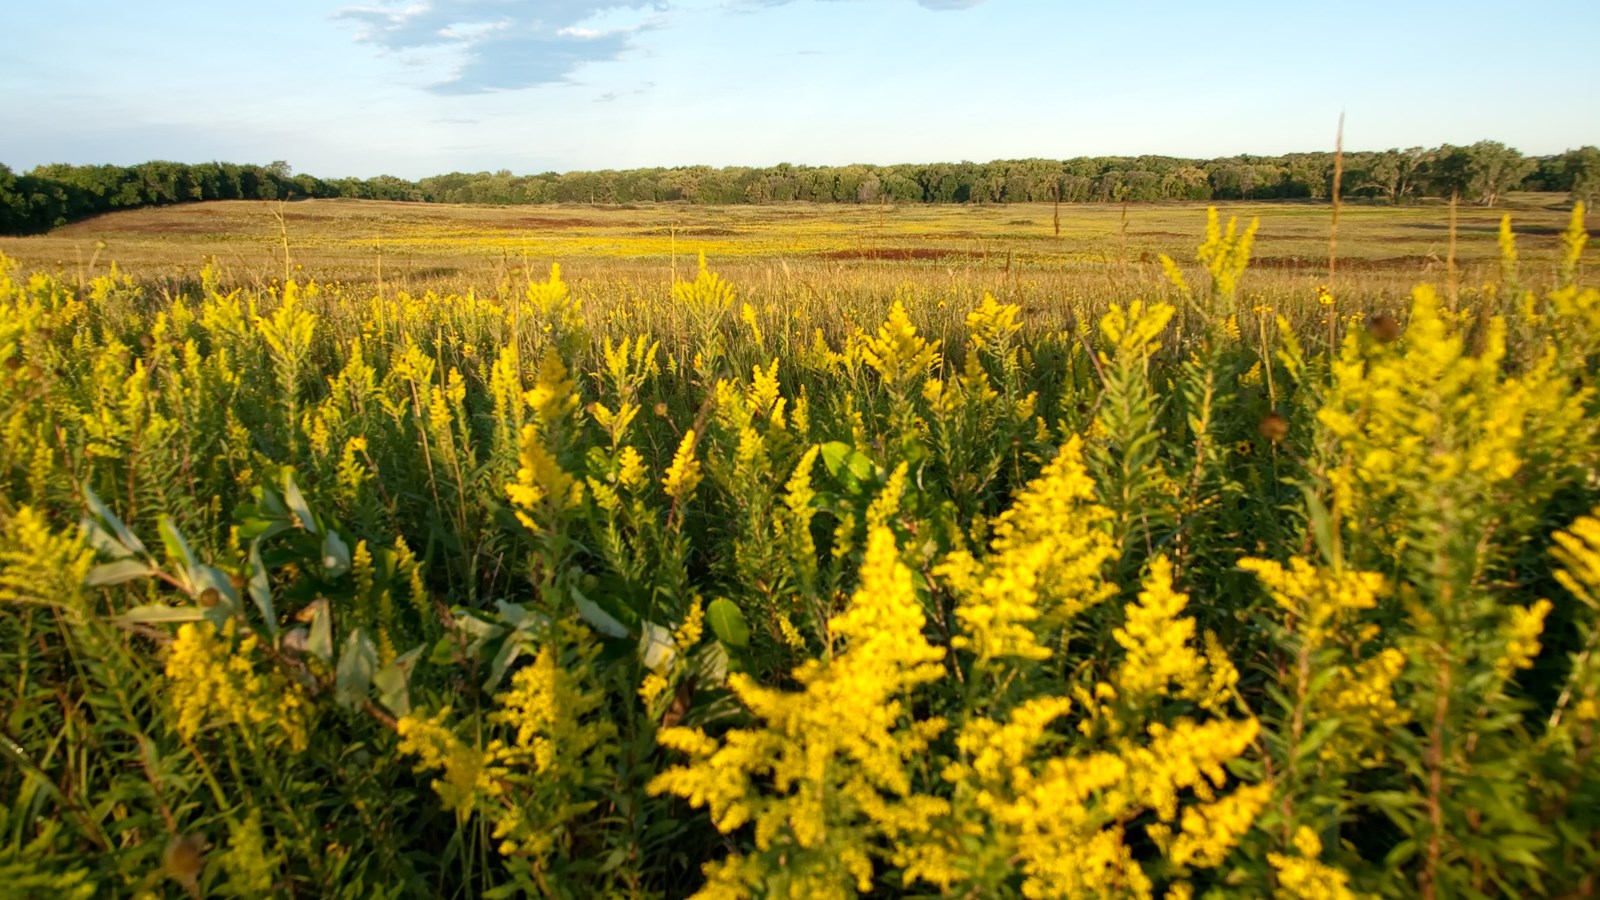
x,y
1493,168
1581,171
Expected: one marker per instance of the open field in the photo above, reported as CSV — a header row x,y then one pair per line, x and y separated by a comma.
x,y
918,552
1011,247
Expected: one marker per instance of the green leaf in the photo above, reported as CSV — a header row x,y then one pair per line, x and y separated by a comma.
x,y
102,512
520,617
1322,528
160,613
335,554
392,681
177,549
510,649
261,590
353,676
101,540
118,572
1319,735
601,620
833,456
727,621
297,502
319,642
657,650
711,663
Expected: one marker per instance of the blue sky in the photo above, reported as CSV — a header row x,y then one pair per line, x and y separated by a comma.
x,y
421,87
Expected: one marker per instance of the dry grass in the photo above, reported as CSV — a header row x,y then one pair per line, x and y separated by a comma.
x,y
1010,250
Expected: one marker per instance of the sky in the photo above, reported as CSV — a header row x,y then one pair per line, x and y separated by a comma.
x,y
422,87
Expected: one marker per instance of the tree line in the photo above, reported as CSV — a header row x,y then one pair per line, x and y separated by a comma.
x,y
52,195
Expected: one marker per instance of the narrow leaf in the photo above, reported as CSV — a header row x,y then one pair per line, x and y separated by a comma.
x,y
160,613
261,590
118,572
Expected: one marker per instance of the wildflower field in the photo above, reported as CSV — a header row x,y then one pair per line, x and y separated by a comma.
x,y
382,558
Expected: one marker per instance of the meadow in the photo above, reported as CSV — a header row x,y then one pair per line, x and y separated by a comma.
x,y
363,549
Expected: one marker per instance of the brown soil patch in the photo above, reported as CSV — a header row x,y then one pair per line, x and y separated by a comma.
x,y
556,224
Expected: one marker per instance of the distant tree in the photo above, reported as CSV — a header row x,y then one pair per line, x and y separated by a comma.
x,y
1493,168
1450,173
1581,170
1141,186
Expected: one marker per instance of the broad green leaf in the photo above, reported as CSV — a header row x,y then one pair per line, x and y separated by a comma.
x,y
335,554
727,621
392,682
601,620
353,676
656,647
712,663
846,464
297,503
833,456
319,642
510,649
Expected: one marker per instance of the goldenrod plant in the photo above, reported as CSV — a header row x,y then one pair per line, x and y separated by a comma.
x,y
762,587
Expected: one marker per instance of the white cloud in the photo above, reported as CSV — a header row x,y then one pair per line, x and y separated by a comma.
x,y
499,44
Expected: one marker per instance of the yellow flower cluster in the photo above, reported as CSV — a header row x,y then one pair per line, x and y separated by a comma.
x,y
1319,602
898,353
1057,813
1226,254
1043,567
210,677
533,784
825,774
38,565
1433,424
1321,609
1302,877
543,489
252,869
1521,631
683,475
1159,656
992,325
1133,331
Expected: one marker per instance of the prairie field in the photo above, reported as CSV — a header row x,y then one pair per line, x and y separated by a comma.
x,y
370,549
1384,249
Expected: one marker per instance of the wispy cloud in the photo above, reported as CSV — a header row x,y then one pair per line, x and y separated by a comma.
x,y
500,45
609,96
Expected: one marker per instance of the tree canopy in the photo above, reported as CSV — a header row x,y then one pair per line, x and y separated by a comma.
x,y
52,195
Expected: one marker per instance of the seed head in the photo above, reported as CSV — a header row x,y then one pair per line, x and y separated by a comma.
x,y
1383,328
1274,427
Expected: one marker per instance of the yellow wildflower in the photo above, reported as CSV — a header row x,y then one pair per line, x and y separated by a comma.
x,y
1302,877
1522,629
209,677
683,476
